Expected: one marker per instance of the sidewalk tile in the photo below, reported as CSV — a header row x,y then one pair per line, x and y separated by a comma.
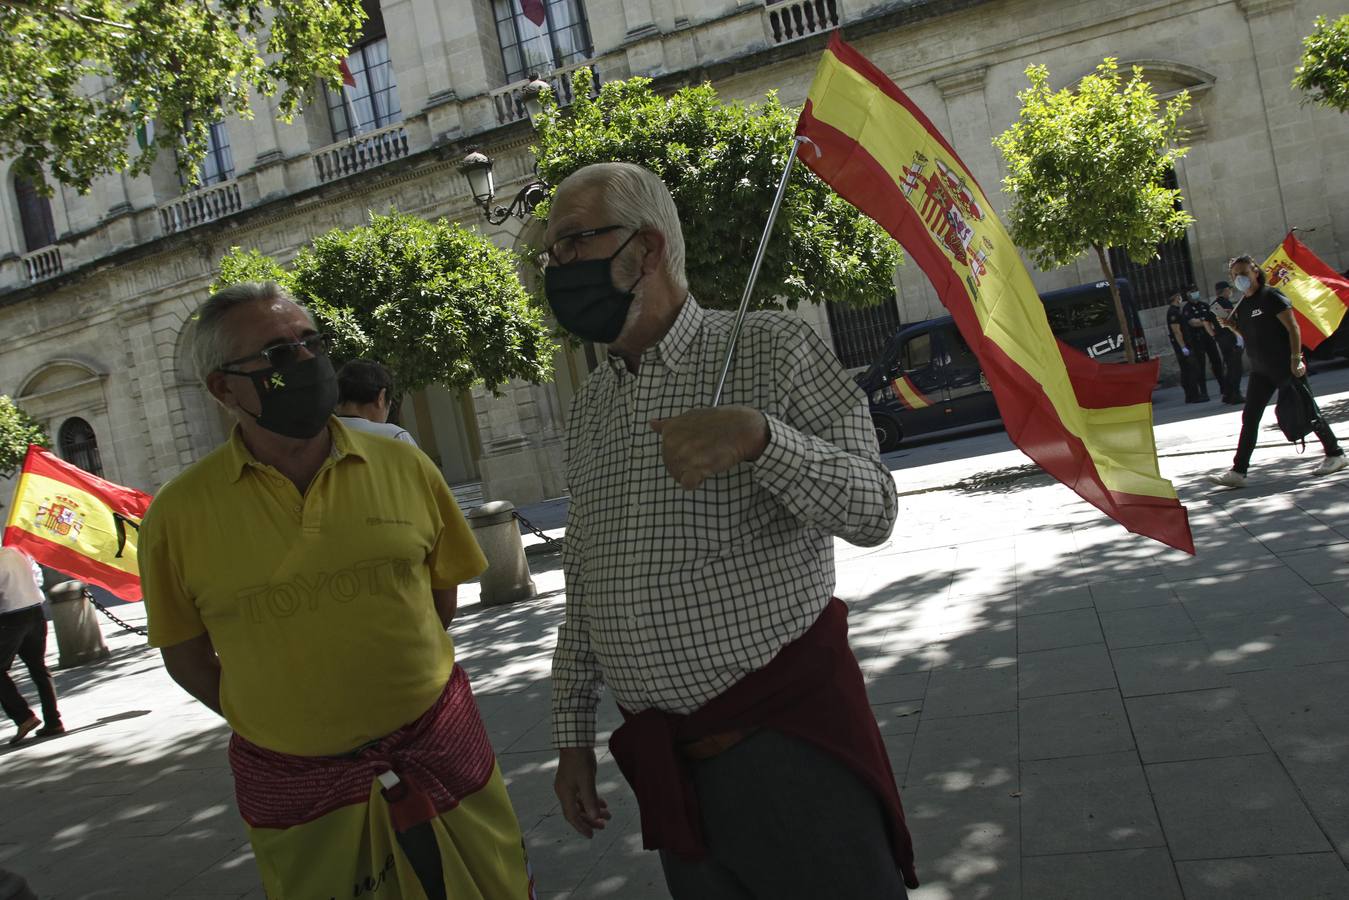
x,y
898,718
967,844
1037,596
1081,724
970,692
885,689
1336,592
1168,624
978,648
1166,668
1066,670
965,754
1049,631
1307,876
1085,804
1193,725
1131,593
1227,596
1109,875
1294,637
1321,565
1235,806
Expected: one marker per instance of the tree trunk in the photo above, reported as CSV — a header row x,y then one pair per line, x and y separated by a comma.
x,y
1125,327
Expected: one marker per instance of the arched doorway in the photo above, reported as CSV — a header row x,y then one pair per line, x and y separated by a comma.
x,y
78,445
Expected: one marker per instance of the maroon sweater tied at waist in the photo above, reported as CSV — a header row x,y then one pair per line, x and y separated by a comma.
x,y
811,690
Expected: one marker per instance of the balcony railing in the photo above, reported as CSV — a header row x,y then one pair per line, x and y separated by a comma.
x,y
364,151
510,100
200,207
793,19
43,264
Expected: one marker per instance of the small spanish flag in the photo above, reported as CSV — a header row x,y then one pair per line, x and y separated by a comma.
x,y
1319,296
1087,424
908,393
77,523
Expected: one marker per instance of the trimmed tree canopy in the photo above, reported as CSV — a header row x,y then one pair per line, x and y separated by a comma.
x,y
1324,72
432,301
723,163
17,431
80,78
1086,168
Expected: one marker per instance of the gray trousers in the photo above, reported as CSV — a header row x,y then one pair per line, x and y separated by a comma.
x,y
783,819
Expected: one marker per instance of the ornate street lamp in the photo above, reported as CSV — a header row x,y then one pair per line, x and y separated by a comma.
x,y
531,94
477,167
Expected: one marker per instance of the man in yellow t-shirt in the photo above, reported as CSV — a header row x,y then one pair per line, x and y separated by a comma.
x,y
299,581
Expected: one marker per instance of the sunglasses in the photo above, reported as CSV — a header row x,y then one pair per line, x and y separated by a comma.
x,y
281,355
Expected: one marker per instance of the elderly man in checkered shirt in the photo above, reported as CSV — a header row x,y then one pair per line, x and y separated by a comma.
x,y
700,571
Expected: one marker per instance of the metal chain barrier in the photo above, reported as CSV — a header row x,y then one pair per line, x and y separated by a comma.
x,y
134,629
553,543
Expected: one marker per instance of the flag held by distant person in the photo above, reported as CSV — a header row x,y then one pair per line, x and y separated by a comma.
x,y
347,78
77,523
534,11
1087,424
1319,295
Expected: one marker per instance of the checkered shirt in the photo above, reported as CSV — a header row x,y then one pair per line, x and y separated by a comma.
x,y
673,595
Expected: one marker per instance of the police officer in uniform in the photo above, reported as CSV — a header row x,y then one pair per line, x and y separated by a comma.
x,y
1202,324
1186,355
1229,344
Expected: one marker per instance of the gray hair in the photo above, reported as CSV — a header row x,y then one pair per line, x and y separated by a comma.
x,y
634,195
208,343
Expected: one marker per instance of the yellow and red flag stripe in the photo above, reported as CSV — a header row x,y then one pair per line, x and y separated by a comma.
x,y
77,523
1087,424
1319,295
908,393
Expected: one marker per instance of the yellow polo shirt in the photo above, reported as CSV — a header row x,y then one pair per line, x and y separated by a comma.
x,y
319,605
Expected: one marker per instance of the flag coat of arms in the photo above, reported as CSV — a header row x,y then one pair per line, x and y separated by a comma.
x,y
1318,294
1087,424
77,523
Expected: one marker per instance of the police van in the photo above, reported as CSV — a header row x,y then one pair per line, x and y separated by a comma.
x,y
928,380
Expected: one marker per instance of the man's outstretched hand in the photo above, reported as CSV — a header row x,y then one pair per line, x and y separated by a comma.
x,y
575,789
708,441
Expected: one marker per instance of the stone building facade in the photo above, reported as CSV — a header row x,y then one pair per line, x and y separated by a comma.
x,y
95,290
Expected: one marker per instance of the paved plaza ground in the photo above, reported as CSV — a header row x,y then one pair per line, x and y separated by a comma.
x,y
1072,711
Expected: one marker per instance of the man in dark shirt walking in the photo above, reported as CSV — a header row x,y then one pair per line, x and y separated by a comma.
x,y
1264,318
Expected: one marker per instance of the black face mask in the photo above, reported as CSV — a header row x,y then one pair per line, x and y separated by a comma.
x,y
297,399
584,299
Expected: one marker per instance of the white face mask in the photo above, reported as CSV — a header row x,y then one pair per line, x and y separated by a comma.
x,y
1241,283
1194,295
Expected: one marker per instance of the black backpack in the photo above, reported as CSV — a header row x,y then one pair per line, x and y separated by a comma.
x,y
1296,412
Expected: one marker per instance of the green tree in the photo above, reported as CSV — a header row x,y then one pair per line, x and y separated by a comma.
x,y
433,301
79,77
723,163
1086,170
17,431
1324,72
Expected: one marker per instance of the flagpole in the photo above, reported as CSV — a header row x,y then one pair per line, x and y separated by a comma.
x,y
754,269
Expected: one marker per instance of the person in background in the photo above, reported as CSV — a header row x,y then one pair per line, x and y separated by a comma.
x,y
23,632
1186,355
365,397
1202,324
1229,344
1264,318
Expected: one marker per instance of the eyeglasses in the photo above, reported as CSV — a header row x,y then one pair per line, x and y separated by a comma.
x,y
282,354
566,248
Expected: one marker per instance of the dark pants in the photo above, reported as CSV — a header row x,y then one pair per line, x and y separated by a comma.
x,y
1205,347
1189,380
1259,389
783,819
25,633
1232,364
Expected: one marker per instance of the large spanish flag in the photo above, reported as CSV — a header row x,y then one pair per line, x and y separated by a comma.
x,y
1319,295
1087,424
77,523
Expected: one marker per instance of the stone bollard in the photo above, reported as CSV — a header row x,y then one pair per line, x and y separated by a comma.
x,y
78,636
507,577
